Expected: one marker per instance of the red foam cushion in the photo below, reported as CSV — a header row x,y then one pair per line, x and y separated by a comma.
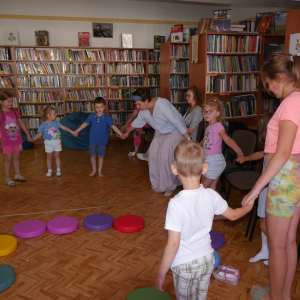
x,y
129,223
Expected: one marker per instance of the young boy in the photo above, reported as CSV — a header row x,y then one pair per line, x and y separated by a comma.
x,y
99,134
189,220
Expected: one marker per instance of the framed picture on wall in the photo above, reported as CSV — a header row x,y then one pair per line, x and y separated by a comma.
x,y
102,30
11,38
158,40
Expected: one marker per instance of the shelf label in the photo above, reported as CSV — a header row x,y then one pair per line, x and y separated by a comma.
x,y
85,85
38,71
92,72
6,85
85,58
74,98
90,85
24,58
28,126
26,72
26,113
43,85
32,85
30,100
70,110
81,72
38,58
66,72
66,98
38,100
44,72
78,85
89,58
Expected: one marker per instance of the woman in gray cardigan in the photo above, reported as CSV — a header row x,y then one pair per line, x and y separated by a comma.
x,y
193,115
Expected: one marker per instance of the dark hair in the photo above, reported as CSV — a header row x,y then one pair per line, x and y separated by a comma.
x,y
5,96
283,63
144,93
100,100
197,95
262,130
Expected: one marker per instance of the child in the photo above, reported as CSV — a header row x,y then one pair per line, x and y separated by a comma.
x,y
261,210
99,134
11,139
189,220
281,76
52,137
212,143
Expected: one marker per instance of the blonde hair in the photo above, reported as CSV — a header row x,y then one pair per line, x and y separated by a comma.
x,y
46,110
217,105
5,96
189,158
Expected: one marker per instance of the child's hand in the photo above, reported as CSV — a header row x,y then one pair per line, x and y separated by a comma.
x,y
123,128
30,139
159,281
240,153
241,160
121,136
125,135
251,196
75,133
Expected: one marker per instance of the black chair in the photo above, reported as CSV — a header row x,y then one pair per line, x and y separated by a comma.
x,y
148,137
201,130
236,125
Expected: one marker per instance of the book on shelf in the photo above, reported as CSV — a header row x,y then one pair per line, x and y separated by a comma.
x,y
179,51
41,38
126,40
271,48
5,53
122,105
265,22
5,82
85,94
120,117
32,81
83,39
280,21
249,25
38,68
85,81
80,55
179,81
178,96
222,20
237,28
153,81
129,68
155,92
85,68
193,31
126,80
177,33
39,96
186,35
154,55
33,110
119,93
204,25
37,54
269,105
153,68
179,66
86,107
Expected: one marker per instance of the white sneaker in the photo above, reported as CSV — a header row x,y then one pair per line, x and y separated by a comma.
x,y
131,154
58,173
49,174
169,193
141,157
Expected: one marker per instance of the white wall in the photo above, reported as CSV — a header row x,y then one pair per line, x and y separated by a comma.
x,y
65,33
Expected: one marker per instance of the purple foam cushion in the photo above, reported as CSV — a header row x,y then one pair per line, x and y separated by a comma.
x,y
62,225
29,229
98,222
217,239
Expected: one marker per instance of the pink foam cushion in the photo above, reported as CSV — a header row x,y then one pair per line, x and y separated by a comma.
x,y
62,225
129,223
30,228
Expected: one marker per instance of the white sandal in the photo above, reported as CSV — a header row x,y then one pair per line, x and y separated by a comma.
x,y
131,154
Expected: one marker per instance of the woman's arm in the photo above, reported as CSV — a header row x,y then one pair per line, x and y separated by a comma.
x,y
231,143
125,135
254,156
131,118
286,138
22,125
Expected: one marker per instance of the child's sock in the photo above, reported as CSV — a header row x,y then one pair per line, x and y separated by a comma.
x,y
266,262
264,251
58,173
49,174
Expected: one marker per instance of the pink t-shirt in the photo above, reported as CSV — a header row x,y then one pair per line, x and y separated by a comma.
x,y
10,134
289,109
212,139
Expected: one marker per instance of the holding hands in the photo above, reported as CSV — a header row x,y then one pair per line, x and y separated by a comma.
x,y
74,133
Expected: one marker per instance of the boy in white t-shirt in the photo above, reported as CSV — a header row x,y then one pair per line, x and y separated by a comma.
x,y
189,220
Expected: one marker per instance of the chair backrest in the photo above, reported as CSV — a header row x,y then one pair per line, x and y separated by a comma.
x,y
200,134
246,140
236,125
223,143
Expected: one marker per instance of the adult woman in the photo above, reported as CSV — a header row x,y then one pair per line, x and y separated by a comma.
x,y
194,115
170,129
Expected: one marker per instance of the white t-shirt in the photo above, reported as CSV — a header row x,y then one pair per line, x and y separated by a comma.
x,y
191,213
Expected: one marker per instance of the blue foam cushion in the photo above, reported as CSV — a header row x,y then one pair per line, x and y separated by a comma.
x,y
217,259
27,145
7,277
74,121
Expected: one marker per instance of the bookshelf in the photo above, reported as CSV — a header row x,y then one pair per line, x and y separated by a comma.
x,y
70,78
174,77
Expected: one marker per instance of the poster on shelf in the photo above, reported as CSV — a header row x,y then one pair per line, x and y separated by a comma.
x,y
11,38
84,39
102,30
294,44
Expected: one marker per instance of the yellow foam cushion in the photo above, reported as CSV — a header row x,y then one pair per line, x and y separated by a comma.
x,y
8,244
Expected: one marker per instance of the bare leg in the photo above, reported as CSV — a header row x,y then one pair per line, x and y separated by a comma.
x,y
263,226
207,182
16,157
101,159
214,185
136,149
7,164
49,160
93,161
57,159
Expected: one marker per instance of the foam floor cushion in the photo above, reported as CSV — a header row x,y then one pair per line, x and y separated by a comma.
x,y
7,277
30,228
8,244
148,293
217,239
129,223
98,222
62,225
217,259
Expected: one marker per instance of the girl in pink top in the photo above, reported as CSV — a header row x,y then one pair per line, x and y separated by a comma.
x,y
11,139
212,143
281,77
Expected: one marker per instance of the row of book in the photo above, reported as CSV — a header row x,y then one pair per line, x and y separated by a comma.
x,y
179,66
153,81
203,25
120,117
86,81
15,102
154,55
153,69
37,96
34,123
5,82
5,69
126,55
119,93
179,81
271,48
179,51
126,80
86,107
80,55
182,108
86,68
34,110
122,105
30,81
5,53
269,105
84,94
233,44
231,83
38,68
154,92
35,54
232,64
177,96
121,68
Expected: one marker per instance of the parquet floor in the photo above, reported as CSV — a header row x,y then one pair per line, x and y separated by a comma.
x,y
106,265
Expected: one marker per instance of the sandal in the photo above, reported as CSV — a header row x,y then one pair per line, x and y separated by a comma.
x,y
10,182
259,293
223,276
131,154
19,177
230,270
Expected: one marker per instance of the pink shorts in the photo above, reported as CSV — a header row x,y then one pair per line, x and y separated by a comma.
x,y
11,149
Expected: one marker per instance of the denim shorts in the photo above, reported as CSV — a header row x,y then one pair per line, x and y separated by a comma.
x,y
96,149
216,165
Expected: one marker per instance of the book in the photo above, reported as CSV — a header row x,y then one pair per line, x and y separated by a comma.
x,y
222,20
177,33
41,38
238,28
84,39
193,31
265,22
127,40
186,35
280,21
204,25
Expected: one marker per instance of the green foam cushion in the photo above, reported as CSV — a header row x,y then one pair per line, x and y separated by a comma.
x,y
7,277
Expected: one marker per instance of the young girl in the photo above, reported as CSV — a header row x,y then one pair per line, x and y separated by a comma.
x,y
261,210
52,137
281,76
212,143
11,139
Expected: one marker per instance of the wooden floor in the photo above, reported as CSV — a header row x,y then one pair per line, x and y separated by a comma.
x,y
107,264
